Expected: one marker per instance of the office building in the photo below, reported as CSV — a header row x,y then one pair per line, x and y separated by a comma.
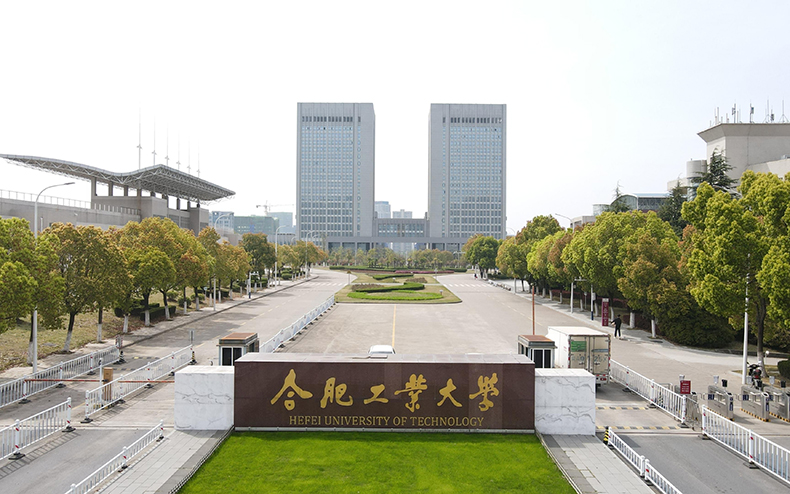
x,y
401,214
256,224
335,160
222,221
383,209
467,170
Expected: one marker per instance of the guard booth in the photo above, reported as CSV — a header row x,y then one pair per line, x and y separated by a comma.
x,y
233,346
755,402
538,348
779,405
721,401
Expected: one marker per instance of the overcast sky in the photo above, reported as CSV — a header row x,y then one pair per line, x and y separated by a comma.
x,y
597,92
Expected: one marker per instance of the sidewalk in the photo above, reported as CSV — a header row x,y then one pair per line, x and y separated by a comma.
x,y
165,466
591,467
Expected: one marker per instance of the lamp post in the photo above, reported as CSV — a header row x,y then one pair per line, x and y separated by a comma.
x,y
276,232
570,221
214,296
34,357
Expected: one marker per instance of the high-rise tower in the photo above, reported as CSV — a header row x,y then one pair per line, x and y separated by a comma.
x,y
335,160
467,170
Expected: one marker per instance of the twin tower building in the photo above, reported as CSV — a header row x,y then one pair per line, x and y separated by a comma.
x,y
335,176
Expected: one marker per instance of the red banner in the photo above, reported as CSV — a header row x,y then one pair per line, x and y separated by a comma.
x,y
604,312
685,387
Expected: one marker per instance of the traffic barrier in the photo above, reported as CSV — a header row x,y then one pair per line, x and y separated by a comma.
x,y
657,394
118,389
755,402
19,390
292,330
641,464
119,462
33,429
757,450
721,401
779,404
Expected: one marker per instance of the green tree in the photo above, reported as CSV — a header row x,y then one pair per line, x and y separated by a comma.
x,y
89,262
671,210
536,229
17,259
259,250
729,244
716,175
482,252
618,204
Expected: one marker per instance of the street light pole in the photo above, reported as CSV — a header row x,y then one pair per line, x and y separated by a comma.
x,y
276,233
34,356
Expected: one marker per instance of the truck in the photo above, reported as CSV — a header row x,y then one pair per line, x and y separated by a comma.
x,y
582,348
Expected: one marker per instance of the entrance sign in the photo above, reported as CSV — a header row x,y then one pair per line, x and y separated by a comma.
x,y
449,392
604,312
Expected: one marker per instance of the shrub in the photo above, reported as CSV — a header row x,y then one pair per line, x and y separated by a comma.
x,y
784,368
157,312
416,280
397,295
697,328
382,288
385,276
172,296
181,301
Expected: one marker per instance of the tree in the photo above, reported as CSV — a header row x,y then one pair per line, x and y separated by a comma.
x,y
17,258
671,210
89,262
716,175
259,250
729,245
538,228
618,205
482,251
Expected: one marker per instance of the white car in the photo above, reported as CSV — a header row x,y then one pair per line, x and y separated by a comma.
x,y
381,350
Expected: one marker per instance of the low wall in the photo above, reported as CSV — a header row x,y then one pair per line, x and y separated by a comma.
x,y
564,402
204,398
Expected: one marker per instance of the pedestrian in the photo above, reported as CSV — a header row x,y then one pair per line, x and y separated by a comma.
x,y
617,323
475,275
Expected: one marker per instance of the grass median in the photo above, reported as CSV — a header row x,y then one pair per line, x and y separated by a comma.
x,y
433,294
349,462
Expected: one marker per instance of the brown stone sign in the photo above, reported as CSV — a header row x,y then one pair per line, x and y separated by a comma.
x,y
450,392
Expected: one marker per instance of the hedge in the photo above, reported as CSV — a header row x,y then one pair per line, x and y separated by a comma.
x,y
385,276
399,295
383,288
784,368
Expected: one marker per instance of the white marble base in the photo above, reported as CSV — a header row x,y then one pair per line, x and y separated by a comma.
x,y
204,398
564,402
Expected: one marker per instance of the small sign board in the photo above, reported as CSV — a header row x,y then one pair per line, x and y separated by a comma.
x,y
578,345
685,387
604,312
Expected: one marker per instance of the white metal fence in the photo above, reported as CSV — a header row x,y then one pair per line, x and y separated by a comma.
x,y
63,201
642,464
22,388
119,462
753,447
120,388
660,396
290,331
34,428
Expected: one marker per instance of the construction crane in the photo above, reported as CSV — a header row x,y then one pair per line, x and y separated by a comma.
x,y
267,207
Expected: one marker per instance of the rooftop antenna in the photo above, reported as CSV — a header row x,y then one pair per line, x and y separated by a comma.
x,y
178,163
167,148
139,138
198,168
767,111
154,151
189,157
751,112
783,118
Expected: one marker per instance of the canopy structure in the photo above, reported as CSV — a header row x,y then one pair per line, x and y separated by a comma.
x,y
158,179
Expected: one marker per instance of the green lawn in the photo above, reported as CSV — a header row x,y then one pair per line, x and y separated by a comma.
x,y
346,462
445,296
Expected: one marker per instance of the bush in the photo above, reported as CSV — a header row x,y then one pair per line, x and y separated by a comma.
x,y
382,288
385,276
784,368
172,296
697,328
181,301
397,295
416,280
157,312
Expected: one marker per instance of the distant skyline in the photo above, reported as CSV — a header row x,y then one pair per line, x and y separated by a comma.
x,y
597,92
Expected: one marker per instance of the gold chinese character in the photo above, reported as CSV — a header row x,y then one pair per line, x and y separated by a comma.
x,y
376,390
486,386
335,393
290,382
414,386
447,391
